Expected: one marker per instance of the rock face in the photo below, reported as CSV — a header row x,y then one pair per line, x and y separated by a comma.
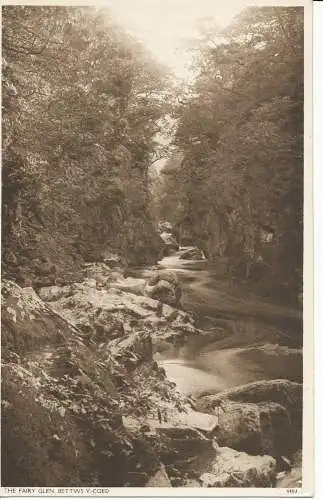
x,y
84,403
259,418
27,322
63,398
163,285
235,469
101,314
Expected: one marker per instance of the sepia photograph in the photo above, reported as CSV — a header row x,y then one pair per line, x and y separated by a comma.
x,y
154,162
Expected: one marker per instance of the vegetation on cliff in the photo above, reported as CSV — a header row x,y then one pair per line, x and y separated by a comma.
x,y
81,107
65,393
235,184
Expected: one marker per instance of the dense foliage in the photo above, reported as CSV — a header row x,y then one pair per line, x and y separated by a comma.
x,y
238,172
83,106
82,102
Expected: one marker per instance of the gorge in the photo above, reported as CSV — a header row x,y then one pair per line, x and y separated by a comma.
x,y
152,251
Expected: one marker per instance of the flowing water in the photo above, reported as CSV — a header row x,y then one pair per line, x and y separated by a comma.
x,y
247,338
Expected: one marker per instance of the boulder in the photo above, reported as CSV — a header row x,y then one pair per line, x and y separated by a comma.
x,y
110,312
86,306
163,285
169,312
164,226
181,442
237,469
162,274
84,309
283,392
260,418
53,293
164,292
192,254
204,422
258,429
169,241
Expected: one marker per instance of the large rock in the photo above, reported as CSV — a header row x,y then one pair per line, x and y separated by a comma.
x,y
88,307
284,392
258,429
169,241
192,254
236,469
110,312
165,226
260,418
179,445
204,422
114,320
163,285
186,441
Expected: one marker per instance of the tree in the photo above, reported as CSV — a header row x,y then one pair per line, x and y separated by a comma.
x,y
81,105
240,132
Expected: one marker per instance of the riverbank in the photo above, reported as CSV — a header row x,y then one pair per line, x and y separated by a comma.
x,y
86,355
244,338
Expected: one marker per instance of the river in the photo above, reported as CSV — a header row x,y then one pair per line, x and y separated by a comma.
x,y
248,338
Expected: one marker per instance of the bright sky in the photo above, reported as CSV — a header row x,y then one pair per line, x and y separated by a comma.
x,y
163,25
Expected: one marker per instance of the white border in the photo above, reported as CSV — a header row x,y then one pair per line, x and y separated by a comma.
x,y
318,235
308,431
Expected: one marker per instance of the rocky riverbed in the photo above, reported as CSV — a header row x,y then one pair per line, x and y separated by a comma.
x,y
85,362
